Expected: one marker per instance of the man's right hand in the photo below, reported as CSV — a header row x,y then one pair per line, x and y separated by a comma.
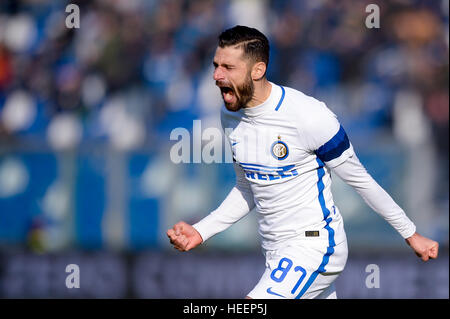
x,y
184,237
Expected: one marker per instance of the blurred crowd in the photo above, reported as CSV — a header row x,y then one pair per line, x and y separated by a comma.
x,y
136,69
147,64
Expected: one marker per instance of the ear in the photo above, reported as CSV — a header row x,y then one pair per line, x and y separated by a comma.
x,y
258,71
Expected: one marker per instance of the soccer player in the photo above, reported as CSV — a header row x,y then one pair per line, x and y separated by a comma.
x,y
284,145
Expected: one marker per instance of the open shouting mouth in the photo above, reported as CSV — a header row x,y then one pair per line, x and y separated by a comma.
x,y
228,93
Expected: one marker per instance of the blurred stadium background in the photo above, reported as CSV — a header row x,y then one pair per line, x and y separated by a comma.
x,y
86,115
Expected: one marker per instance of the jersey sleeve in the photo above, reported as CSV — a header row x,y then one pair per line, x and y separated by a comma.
x,y
355,175
325,136
236,205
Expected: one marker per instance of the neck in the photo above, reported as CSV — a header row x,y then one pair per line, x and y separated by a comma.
x,y
261,94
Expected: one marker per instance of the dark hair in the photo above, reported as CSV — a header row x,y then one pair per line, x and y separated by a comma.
x,y
254,43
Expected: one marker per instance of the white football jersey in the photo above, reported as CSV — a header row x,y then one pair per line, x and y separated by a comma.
x,y
282,147
283,150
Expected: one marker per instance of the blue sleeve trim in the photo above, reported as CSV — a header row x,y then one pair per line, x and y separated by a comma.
x,y
334,147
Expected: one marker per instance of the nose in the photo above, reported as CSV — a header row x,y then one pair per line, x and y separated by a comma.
x,y
218,74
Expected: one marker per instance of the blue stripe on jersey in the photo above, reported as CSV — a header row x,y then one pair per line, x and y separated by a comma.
x,y
331,242
334,147
281,99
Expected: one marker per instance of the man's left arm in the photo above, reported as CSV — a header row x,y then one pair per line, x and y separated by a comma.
x,y
354,174
324,136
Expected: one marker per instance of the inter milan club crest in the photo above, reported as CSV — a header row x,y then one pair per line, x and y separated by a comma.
x,y
279,149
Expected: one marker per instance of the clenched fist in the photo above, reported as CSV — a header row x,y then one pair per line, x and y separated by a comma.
x,y
424,248
184,237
